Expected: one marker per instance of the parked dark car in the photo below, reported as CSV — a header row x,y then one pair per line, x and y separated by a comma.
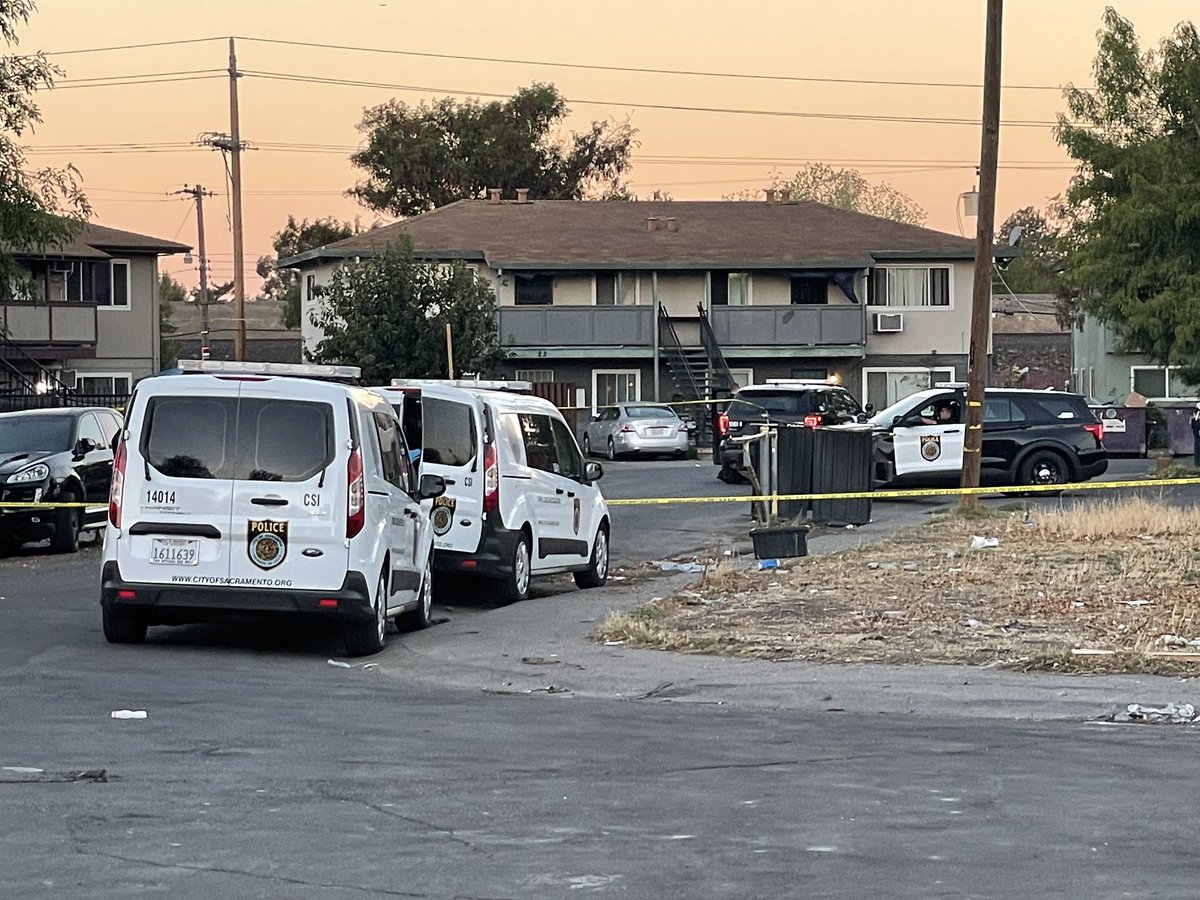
x,y
61,455
782,402
1029,438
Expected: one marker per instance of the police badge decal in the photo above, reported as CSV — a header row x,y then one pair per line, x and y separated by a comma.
x,y
266,542
931,447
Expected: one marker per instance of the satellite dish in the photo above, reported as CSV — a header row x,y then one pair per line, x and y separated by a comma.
x,y
1014,236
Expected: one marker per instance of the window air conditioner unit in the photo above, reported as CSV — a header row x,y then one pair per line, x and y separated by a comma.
x,y
889,323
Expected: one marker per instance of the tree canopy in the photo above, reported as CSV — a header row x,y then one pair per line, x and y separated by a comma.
x,y
1038,270
418,158
38,208
388,315
845,189
294,239
1132,246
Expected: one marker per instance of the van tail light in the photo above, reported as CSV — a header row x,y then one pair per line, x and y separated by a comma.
x,y
356,500
1096,429
491,478
116,494
812,421
723,424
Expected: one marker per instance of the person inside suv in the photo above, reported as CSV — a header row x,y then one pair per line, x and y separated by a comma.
x,y
947,413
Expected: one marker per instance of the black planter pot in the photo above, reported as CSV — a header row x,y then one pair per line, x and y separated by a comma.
x,y
780,542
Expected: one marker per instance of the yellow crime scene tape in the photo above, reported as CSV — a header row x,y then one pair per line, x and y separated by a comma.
x,y
1144,484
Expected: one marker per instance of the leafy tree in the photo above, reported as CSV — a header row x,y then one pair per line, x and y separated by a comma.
x,y
38,208
388,315
844,189
295,238
418,158
169,291
1132,245
1038,270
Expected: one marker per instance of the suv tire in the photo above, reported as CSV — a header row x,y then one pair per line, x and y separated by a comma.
x,y
1044,467
67,524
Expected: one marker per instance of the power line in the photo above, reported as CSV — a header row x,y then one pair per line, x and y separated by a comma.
x,y
771,113
645,70
136,81
78,50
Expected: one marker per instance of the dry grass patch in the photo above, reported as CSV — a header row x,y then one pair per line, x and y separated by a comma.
x,y
1118,579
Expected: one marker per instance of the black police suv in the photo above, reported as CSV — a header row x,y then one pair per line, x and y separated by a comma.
x,y
1029,438
61,455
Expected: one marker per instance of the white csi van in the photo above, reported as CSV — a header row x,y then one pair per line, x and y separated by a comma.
x,y
520,499
238,488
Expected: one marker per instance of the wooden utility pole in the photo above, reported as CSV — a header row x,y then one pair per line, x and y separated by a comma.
x,y
981,301
235,190
198,193
449,353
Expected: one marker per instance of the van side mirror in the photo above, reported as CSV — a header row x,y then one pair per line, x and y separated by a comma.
x,y
592,471
431,486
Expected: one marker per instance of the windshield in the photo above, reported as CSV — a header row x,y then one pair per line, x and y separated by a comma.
x,y
780,403
883,418
21,434
649,412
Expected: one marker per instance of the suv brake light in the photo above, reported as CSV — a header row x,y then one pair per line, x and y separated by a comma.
x,y
491,478
812,421
356,499
1096,429
723,423
116,495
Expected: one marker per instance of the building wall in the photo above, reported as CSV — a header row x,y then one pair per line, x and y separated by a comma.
x,y
930,329
127,340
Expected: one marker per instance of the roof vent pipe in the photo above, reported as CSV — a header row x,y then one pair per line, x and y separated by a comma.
x,y
652,223
672,224
493,195
522,195
770,192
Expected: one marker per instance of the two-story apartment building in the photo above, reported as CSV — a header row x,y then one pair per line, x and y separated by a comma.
x,y
650,300
88,321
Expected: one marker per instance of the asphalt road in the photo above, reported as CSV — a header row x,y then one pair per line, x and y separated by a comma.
x,y
501,755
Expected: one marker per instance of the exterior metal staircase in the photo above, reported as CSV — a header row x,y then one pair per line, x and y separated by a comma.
x,y
698,373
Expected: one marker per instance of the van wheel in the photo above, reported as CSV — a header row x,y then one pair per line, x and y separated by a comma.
x,y
515,586
123,627
67,524
422,616
365,638
587,445
596,573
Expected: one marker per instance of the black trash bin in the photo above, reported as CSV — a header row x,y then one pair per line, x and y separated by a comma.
x,y
795,469
842,458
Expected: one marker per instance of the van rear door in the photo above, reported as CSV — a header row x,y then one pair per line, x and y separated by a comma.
x,y
452,432
178,480
288,524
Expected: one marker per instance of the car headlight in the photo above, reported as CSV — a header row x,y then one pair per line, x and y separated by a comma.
x,y
40,472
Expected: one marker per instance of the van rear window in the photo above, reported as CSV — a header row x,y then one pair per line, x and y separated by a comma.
x,y
449,434
244,440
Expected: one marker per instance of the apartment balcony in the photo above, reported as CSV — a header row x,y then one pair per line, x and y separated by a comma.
x,y
569,327
830,326
49,326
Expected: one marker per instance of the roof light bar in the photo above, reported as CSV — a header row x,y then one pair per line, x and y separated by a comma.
x,y
952,384
480,384
303,370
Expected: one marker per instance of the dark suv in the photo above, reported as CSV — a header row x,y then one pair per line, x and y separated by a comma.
x,y
55,456
782,402
1029,437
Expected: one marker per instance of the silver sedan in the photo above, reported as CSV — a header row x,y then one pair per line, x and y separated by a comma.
x,y
635,428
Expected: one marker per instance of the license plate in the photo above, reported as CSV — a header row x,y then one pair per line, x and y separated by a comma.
x,y
658,430
173,552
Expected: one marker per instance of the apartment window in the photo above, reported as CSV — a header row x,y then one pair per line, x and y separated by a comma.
x,y
910,286
534,290
1160,383
611,386
729,288
310,287
617,289
809,291
536,376
103,383
112,286
883,387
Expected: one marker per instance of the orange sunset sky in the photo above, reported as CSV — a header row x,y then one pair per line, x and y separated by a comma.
x,y
304,130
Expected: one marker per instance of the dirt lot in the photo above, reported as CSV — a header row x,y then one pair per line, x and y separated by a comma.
x,y
1115,580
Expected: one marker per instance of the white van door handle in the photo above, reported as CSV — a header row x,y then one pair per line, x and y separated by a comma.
x,y
269,501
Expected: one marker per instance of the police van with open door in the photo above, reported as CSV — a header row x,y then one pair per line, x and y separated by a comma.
x,y
520,499
270,489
